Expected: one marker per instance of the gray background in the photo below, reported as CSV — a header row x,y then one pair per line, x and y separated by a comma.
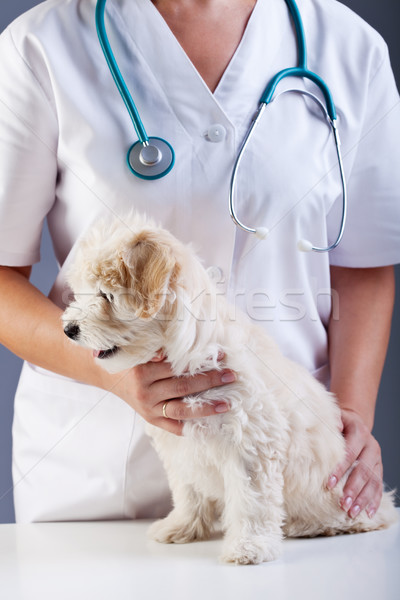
x,y
384,16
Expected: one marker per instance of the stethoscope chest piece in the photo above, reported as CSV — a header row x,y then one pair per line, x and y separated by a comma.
x,y
152,159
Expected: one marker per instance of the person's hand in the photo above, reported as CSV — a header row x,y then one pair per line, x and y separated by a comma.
x,y
153,391
364,486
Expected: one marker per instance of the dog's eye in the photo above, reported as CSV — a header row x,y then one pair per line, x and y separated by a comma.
x,y
107,297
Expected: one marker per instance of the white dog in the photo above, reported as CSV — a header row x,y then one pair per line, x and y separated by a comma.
x,y
261,467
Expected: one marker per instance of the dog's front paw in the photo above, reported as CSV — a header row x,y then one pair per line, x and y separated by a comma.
x,y
252,550
173,531
161,531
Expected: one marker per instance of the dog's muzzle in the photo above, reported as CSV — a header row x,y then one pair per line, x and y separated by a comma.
x,y
72,331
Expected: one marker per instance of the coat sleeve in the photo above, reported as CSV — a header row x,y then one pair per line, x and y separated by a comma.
x,y
28,156
372,234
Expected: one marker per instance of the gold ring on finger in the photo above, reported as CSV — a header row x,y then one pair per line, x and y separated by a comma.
x,y
164,410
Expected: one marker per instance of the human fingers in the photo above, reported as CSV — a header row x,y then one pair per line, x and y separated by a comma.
x,y
178,410
155,370
158,369
172,390
160,356
364,486
179,387
174,413
172,425
150,386
355,434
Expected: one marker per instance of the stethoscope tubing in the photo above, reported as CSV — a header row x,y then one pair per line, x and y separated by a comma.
x,y
300,33
117,75
344,193
268,96
262,232
256,118
302,73
160,167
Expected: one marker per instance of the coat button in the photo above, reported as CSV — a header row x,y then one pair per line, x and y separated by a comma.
x,y
215,133
215,274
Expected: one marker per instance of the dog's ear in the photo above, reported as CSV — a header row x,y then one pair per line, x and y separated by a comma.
x,y
151,269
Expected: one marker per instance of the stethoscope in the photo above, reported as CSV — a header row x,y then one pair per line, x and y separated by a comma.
x,y
153,157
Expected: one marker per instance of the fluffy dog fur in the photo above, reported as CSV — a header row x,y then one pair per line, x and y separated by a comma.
x,y
261,467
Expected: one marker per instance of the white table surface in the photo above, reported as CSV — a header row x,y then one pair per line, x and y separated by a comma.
x,y
116,561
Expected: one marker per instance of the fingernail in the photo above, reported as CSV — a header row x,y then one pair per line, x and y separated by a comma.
x,y
347,502
370,512
332,481
222,407
228,377
354,511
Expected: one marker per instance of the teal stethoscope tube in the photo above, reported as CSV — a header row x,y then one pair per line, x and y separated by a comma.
x,y
329,111
152,158
301,70
148,158
116,73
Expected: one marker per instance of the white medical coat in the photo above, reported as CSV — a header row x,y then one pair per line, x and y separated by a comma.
x,y
80,453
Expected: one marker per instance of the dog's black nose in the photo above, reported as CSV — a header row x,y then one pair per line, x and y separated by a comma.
x,y
72,330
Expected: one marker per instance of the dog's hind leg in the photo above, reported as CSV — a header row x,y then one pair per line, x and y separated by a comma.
x,y
191,519
253,514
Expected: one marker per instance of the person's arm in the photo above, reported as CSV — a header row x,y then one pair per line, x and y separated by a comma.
x,y
31,327
358,340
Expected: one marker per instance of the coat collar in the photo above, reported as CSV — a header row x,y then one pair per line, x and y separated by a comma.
x,y
176,78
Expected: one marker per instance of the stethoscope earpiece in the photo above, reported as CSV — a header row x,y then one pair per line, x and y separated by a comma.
x,y
262,233
304,246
